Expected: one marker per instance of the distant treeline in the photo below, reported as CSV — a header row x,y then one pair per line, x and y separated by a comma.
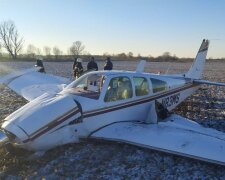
x,y
25,57
12,48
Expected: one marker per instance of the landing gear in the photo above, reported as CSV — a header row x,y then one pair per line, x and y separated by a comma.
x,y
161,111
156,113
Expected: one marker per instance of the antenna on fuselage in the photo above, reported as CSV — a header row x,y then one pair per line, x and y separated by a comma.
x,y
141,66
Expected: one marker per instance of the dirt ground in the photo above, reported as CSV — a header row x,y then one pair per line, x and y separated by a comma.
x,y
105,160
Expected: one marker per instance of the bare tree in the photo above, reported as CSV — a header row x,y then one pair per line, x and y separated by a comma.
x,y
31,50
76,49
130,54
47,51
10,38
56,52
106,54
122,56
166,54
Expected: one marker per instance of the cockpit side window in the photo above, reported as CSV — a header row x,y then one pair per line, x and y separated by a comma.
x,y
158,85
119,88
89,86
141,86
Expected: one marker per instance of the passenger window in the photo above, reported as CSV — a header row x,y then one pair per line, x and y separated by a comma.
x,y
141,86
119,88
158,85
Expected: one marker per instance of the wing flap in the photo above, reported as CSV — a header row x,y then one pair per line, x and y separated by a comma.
x,y
30,84
177,136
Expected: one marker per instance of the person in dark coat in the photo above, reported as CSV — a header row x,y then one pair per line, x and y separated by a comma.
x,y
74,63
39,63
78,68
108,64
92,65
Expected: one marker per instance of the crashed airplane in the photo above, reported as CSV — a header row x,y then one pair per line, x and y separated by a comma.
x,y
121,106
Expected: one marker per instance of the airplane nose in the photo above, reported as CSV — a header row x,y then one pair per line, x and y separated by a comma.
x,y
3,138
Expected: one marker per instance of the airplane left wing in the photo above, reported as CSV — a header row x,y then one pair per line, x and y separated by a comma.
x,y
30,84
176,135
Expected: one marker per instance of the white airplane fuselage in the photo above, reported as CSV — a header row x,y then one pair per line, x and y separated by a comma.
x,y
55,119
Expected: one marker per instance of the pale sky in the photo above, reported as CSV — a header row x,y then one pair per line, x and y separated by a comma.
x,y
148,27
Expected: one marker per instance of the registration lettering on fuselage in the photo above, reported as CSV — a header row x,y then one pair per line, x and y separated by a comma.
x,y
171,100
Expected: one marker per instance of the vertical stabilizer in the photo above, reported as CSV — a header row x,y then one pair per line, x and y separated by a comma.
x,y
197,67
141,66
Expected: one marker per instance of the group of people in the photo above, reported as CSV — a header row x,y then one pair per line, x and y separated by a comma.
x,y
91,66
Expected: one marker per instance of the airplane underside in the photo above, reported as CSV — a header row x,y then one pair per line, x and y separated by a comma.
x,y
175,135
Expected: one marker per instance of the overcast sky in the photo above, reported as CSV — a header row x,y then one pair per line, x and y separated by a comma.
x,y
148,27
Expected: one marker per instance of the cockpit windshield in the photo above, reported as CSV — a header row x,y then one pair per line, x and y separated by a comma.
x,y
89,85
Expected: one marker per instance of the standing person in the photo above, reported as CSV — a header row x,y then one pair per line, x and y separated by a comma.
x,y
39,63
92,65
74,63
78,69
108,64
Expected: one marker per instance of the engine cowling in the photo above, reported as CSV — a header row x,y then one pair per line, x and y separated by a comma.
x,y
42,116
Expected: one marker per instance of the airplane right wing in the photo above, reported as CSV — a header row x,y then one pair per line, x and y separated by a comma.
x,y
176,135
30,83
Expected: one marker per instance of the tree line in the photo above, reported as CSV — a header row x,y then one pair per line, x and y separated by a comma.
x,y
12,42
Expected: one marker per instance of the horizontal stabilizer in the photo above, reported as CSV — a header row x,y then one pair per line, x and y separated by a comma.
x,y
208,82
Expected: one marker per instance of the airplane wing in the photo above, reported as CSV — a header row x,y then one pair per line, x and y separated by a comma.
x,y
30,84
176,135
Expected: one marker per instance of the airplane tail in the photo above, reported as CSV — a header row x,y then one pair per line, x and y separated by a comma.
x,y
197,67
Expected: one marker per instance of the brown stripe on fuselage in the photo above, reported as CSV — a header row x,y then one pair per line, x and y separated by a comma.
x,y
53,124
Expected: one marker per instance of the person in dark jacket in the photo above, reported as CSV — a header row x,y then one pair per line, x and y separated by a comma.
x,y
108,64
39,63
78,69
92,65
74,63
